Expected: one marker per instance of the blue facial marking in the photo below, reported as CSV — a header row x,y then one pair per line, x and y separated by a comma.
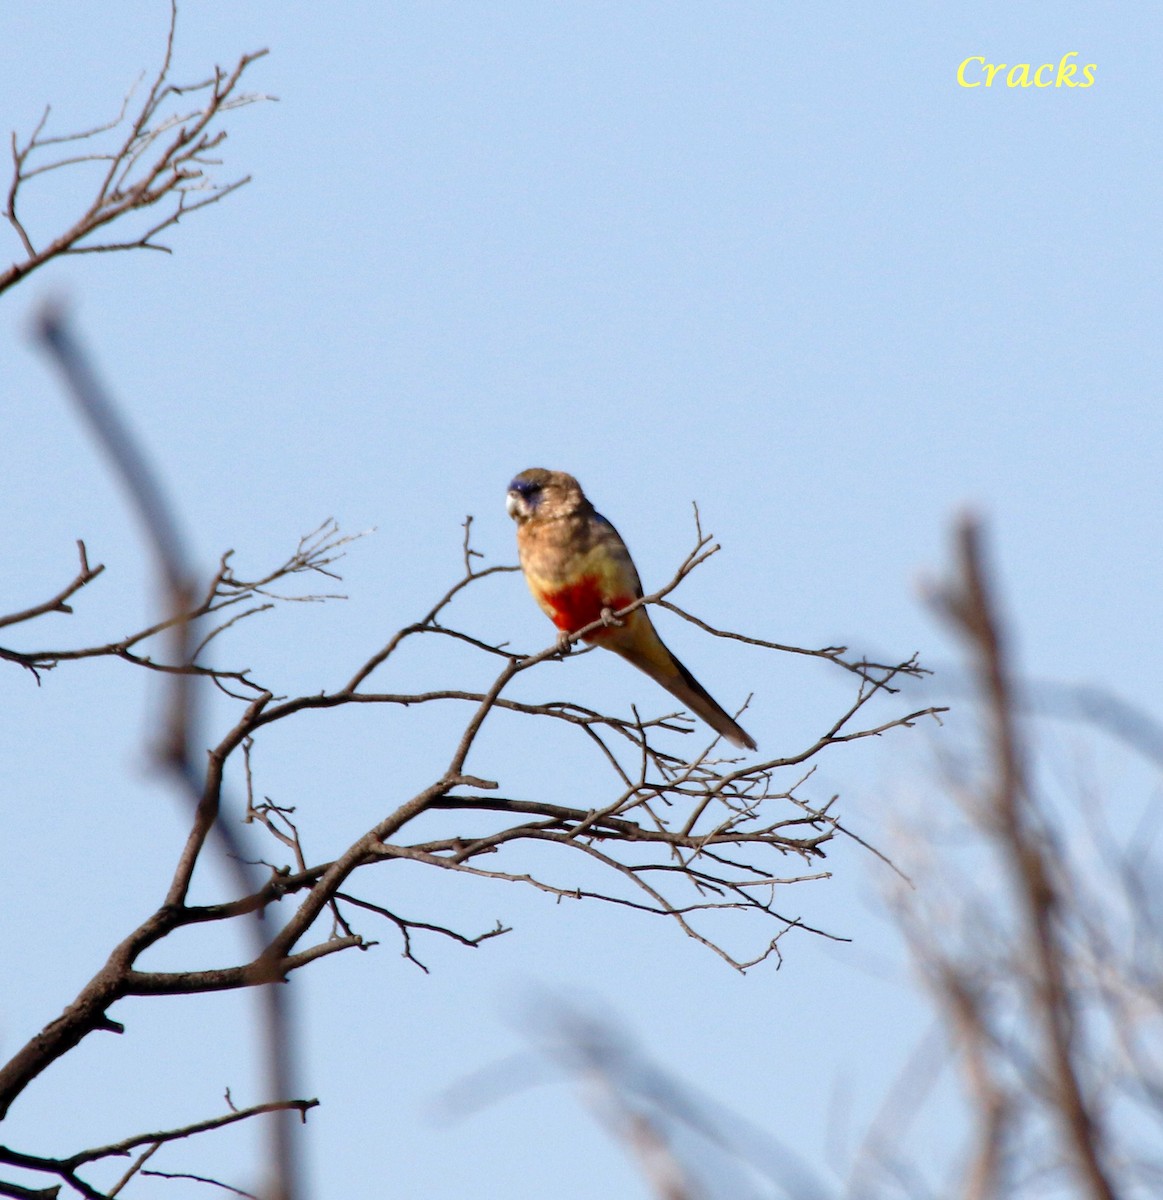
x,y
524,488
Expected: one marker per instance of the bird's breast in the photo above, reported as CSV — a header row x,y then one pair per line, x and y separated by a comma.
x,y
580,603
575,568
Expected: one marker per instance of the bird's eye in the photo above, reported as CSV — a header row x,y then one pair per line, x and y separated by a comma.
x,y
525,487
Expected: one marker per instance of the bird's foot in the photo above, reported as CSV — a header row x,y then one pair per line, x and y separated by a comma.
x,y
609,620
564,645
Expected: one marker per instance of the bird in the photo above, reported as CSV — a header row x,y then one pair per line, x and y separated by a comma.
x,y
579,571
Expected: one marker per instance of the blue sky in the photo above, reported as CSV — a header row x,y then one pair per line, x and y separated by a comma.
x,y
767,257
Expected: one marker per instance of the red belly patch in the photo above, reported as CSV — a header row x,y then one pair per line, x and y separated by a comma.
x,y
580,604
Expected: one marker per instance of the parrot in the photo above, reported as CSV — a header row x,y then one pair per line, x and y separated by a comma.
x,y
579,571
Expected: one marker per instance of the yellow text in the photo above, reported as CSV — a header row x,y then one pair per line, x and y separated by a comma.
x,y
976,71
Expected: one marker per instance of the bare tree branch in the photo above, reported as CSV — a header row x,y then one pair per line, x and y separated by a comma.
x,y
161,160
57,603
66,1168
697,839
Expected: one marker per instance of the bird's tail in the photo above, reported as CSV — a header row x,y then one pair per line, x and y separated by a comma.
x,y
662,666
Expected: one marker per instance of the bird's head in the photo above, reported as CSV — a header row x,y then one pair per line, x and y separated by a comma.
x,y
544,495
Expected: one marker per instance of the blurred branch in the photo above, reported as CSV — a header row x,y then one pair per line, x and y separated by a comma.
x,y
1046,971
161,158
687,1146
175,751
1025,842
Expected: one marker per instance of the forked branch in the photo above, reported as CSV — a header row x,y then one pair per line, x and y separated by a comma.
x,y
162,158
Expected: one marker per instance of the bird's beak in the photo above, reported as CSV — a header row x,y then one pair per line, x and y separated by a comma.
x,y
516,506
